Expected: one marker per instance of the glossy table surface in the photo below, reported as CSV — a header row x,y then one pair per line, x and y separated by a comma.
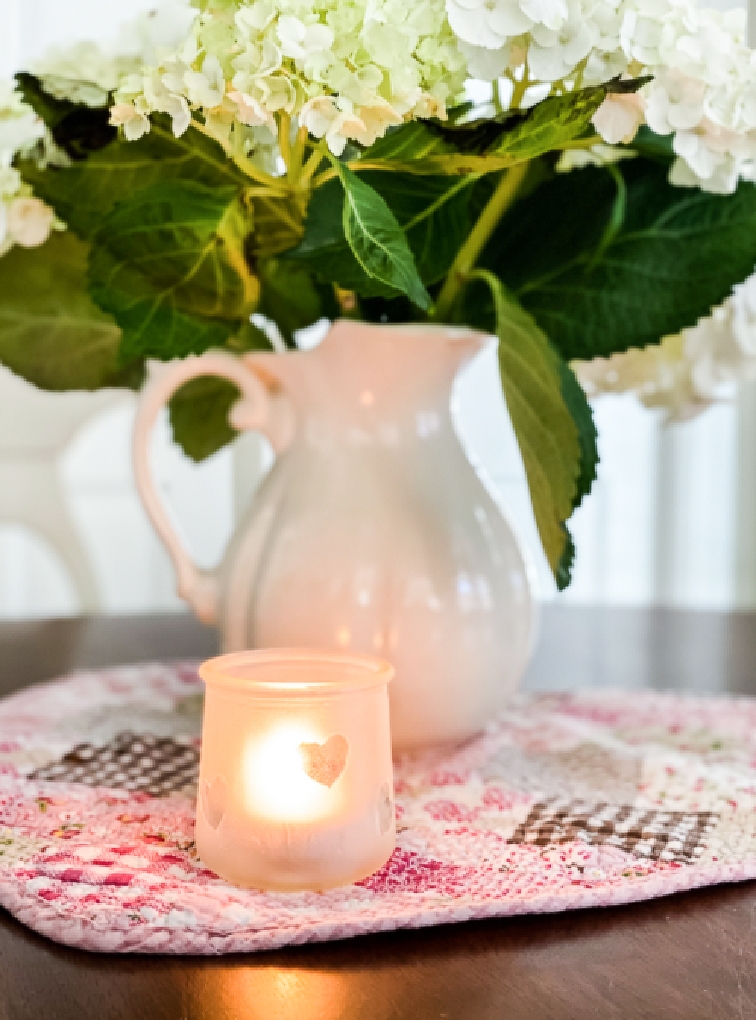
x,y
691,956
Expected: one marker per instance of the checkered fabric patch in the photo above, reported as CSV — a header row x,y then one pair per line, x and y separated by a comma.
x,y
656,835
144,764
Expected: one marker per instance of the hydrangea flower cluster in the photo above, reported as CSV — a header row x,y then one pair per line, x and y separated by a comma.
x,y
84,73
686,373
348,70
345,70
24,220
703,91
704,76
88,72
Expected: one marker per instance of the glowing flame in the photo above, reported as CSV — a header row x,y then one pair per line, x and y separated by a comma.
x,y
277,787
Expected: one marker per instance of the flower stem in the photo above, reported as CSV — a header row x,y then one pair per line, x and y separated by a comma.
x,y
496,96
297,156
242,161
312,163
284,138
467,256
520,88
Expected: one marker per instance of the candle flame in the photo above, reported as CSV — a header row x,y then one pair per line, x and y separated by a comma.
x,y
277,786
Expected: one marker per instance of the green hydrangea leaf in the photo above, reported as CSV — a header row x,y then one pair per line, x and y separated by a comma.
x,y
277,226
551,419
547,126
51,333
676,254
578,406
550,124
324,249
376,239
288,296
76,128
199,416
414,140
169,265
83,194
485,146
434,213
199,411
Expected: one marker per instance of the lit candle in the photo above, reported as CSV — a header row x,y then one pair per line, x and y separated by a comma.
x,y
295,785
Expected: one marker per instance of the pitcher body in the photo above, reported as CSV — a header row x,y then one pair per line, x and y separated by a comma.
x,y
373,533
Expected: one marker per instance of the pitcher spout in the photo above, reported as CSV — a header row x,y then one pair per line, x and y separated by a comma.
x,y
466,344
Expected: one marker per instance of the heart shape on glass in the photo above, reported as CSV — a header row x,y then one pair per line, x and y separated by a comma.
x,y
214,798
325,762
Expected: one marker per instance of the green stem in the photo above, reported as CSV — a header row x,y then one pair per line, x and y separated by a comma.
x,y
242,162
312,163
297,157
467,256
580,69
284,138
328,175
493,283
499,109
519,91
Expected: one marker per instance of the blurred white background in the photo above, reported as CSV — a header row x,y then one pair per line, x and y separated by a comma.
x,y
671,520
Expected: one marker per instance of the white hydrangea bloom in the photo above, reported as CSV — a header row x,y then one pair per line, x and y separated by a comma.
x,y
596,155
157,32
19,125
87,72
29,221
127,116
351,69
487,23
347,71
686,373
83,73
659,376
619,117
484,64
23,219
702,92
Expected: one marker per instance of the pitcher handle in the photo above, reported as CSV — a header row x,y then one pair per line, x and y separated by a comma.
x,y
255,410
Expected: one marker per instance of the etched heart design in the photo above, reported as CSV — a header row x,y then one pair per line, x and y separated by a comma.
x,y
214,798
325,762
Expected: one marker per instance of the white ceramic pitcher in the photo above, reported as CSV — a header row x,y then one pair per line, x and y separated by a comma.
x,y
372,531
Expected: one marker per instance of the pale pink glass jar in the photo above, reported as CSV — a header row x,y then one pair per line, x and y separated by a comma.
x,y
296,783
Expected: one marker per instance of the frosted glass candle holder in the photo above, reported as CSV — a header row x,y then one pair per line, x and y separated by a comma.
x,y
296,782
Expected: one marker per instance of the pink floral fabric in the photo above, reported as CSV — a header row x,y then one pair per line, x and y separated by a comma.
x,y
578,800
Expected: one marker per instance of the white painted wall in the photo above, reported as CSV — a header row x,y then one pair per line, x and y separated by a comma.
x,y
671,519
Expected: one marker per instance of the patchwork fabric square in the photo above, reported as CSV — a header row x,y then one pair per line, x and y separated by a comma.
x,y
590,799
154,765
648,834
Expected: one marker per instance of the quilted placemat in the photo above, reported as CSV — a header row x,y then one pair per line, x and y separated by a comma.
x,y
577,800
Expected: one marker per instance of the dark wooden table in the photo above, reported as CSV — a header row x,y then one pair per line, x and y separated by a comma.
x,y
691,956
